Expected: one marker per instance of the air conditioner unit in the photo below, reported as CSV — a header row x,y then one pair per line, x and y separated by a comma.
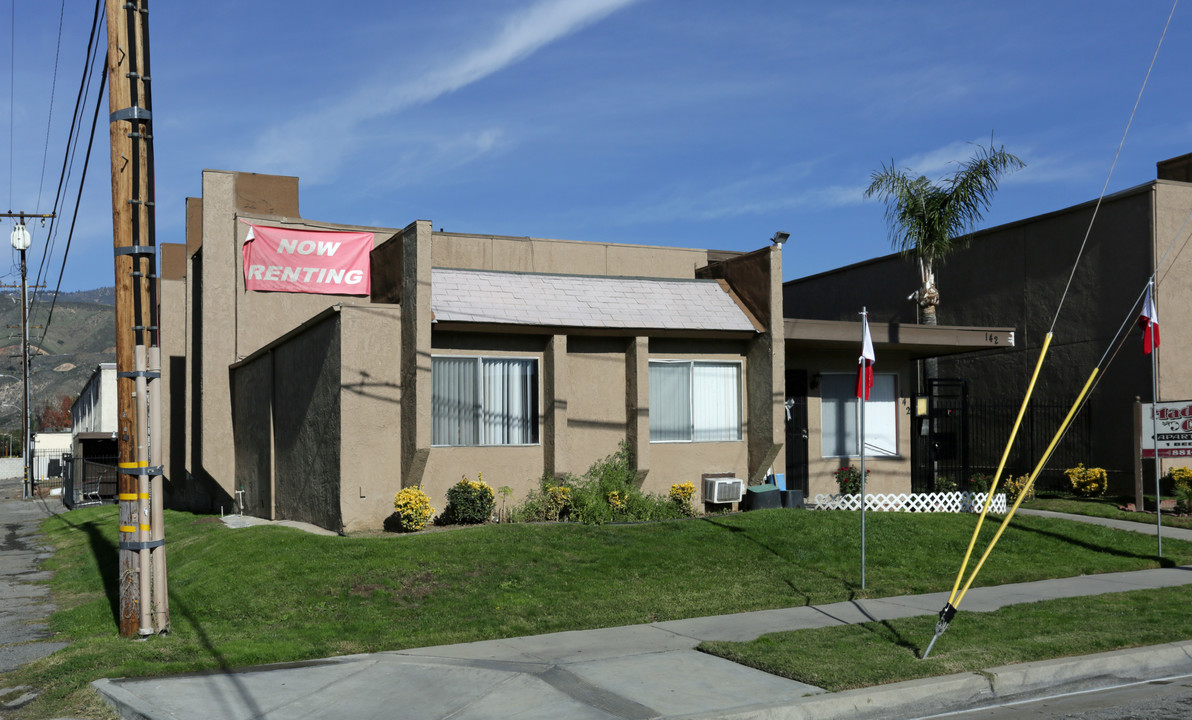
x,y
723,490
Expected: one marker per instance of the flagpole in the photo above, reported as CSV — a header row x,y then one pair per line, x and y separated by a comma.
x,y
861,449
1154,431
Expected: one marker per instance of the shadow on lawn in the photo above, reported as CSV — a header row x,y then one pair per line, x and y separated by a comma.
x,y
849,586
1163,562
106,560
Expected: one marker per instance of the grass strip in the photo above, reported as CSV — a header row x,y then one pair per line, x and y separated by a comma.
x,y
875,653
274,594
1106,508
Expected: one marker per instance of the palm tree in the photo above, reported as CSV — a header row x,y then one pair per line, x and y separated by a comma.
x,y
929,220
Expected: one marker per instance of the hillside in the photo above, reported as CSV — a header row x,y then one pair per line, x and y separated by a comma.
x,y
80,336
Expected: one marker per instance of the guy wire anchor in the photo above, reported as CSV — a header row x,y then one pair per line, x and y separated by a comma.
x,y
941,625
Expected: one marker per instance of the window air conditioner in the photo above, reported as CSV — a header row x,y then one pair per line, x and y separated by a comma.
x,y
723,490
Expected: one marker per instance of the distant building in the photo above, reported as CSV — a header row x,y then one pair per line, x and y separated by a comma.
x,y
93,440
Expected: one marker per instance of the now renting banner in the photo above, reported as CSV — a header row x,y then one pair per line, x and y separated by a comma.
x,y
307,261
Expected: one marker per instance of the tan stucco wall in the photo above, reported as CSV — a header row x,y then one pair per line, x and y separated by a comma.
x,y
233,323
518,467
886,474
595,400
370,408
568,257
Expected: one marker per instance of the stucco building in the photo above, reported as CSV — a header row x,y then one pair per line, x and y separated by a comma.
x,y
510,356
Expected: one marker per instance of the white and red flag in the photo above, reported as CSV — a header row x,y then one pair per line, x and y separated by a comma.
x,y
865,362
1149,322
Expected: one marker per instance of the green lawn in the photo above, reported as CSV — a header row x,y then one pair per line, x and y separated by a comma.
x,y
840,658
1106,507
272,594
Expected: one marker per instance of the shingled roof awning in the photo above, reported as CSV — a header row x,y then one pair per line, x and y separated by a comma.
x,y
478,299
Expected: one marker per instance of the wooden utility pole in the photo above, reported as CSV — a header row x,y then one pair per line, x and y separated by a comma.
x,y
142,601
20,242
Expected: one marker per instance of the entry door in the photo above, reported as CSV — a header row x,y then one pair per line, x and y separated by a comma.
x,y
796,430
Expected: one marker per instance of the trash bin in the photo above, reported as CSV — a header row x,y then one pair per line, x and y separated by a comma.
x,y
761,497
792,498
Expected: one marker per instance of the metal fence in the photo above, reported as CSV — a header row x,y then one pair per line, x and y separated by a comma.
x,y
90,481
989,428
956,439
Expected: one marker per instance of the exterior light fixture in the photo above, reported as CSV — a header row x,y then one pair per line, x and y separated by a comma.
x,y
780,238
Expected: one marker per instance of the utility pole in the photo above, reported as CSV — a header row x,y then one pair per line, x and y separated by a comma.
x,y
20,241
143,599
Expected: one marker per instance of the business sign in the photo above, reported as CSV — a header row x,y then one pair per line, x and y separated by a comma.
x,y
307,261
1172,429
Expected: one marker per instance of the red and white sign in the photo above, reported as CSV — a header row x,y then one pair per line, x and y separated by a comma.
x,y
1172,429
307,261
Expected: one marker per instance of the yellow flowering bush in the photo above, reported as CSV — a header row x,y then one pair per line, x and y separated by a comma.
x,y
412,509
680,496
1087,482
470,502
1181,477
1015,486
618,500
558,501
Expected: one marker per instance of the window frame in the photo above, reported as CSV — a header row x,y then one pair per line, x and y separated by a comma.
x,y
738,364
850,400
534,421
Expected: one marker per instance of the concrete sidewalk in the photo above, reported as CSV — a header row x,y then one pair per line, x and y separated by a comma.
x,y
643,671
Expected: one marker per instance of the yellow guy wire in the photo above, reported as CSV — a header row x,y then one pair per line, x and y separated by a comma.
x,y
997,476
1030,482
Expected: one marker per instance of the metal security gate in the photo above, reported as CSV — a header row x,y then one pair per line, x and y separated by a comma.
x,y
956,439
940,460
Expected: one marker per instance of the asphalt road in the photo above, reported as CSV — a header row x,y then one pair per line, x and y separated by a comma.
x,y
1169,699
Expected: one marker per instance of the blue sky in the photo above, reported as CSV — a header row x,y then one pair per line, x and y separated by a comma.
x,y
692,123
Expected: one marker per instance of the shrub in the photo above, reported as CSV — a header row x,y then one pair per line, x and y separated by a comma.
x,y
412,509
848,478
1183,498
470,502
680,496
1015,486
608,492
980,483
943,484
1087,482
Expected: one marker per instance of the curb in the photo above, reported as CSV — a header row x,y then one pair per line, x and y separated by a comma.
x,y
974,690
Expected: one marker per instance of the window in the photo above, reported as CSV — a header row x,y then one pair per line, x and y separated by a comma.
x,y
484,401
692,401
839,415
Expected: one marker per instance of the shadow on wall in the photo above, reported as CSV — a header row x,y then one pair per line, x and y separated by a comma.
x,y
197,493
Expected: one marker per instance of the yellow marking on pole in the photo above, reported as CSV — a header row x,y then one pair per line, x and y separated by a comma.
x,y
126,496
1029,483
146,528
128,528
143,496
1000,467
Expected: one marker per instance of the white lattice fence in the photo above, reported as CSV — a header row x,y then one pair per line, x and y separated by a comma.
x,y
918,502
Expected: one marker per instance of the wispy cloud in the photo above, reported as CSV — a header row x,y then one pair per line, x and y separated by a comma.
x,y
759,194
316,144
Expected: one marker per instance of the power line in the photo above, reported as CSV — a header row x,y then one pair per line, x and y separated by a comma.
x,y
50,116
75,214
72,138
